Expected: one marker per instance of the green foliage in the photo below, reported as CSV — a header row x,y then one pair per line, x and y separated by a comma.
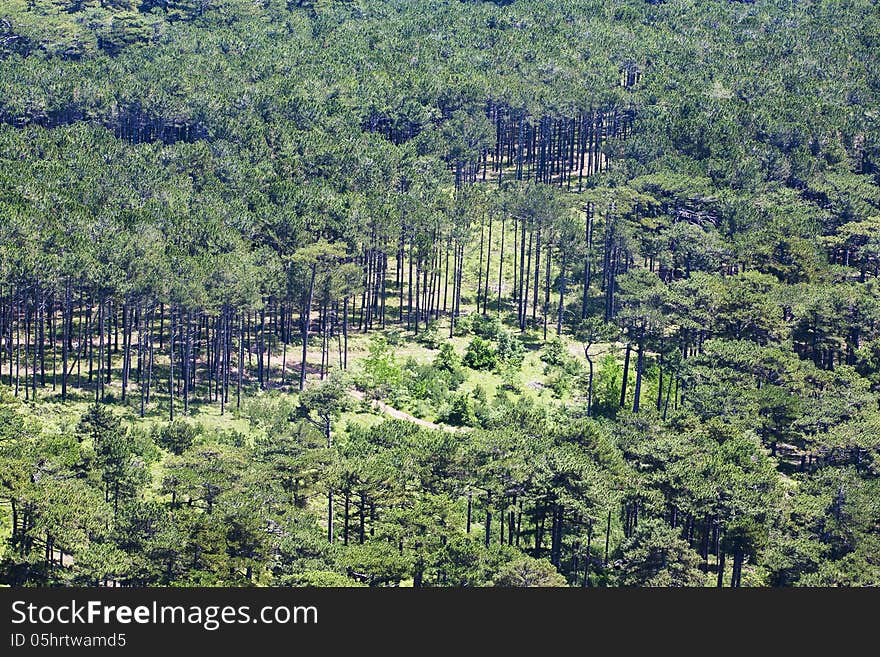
x,y
427,383
381,370
322,579
376,563
447,360
430,337
485,326
559,383
510,349
479,355
176,437
461,411
554,353
608,385
117,454
193,191
655,555
524,571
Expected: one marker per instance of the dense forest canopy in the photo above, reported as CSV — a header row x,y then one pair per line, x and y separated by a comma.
x,y
610,266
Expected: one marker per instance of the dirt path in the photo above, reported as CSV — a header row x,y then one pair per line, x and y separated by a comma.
x,y
400,415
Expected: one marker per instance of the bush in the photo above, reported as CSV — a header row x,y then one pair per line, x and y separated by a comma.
x,y
447,359
231,437
461,411
454,379
554,353
482,411
394,337
479,355
430,381
510,349
382,371
559,383
510,379
176,437
430,337
320,579
607,385
489,327
270,411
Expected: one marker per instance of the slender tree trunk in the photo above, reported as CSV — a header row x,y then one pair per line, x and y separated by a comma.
x,y
330,516
625,376
362,518
171,368
587,260
65,345
306,321
480,267
561,295
488,264
345,518
589,380
537,274
639,365
501,263
488,518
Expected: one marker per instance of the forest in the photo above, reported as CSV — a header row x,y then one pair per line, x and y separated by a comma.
x,y
440,293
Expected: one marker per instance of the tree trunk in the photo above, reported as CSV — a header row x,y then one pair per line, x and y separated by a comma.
x,y
306,321
639,365
625,376
561,294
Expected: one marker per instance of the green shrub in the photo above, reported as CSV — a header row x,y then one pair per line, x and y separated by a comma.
x,y
430,382
510,349
447,359
455,379
231,437
460,412
554,353
382,371
394,337
607,385
447,367
510,379
479,355
430,337
485,326
176,437
320,579
559,383
270,411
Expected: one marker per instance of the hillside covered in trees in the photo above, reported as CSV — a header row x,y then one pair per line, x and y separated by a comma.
x,y
440,293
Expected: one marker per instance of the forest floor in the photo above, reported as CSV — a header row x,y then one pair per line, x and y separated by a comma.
x,y
532,380
401,415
